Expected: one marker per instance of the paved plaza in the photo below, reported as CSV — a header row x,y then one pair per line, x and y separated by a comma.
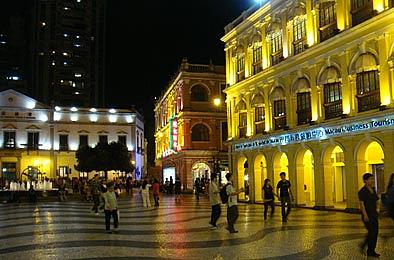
x,y
68,230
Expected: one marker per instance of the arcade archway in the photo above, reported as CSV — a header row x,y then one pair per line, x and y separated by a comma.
x,y
281,164
243,177
305,178
201,170
370,158
260,174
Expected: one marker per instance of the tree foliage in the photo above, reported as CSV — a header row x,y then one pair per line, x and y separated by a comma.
x,y
104,157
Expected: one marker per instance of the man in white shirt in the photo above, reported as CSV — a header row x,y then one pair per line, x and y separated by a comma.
x,y
232,208
215,201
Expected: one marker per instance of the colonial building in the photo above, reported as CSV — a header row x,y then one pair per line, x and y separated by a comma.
x,y
311,88
35,135
191,125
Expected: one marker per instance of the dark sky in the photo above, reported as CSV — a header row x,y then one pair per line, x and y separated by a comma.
x,y
146,41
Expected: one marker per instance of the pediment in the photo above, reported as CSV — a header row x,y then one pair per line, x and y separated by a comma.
x,y
15,99
83,132
33,127
102,132
122,133
9,126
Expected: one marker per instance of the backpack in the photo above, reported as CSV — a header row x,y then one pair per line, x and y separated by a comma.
x,y
223,194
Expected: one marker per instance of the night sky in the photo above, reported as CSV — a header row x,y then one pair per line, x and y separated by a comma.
x,y
146,41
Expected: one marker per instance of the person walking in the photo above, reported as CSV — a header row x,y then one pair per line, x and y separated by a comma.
x,y
389,197
156,191
268,198
197,187
95,190
368,206
232,208
178,189
214,198
110,205
145,193
286,196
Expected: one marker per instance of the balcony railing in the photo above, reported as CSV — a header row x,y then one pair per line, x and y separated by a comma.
x,y
362,14
304,116
333,109
277,58
240,76
300,47
63,148
242,131
328,31
368,101
257,68
279,122
9,145
259,127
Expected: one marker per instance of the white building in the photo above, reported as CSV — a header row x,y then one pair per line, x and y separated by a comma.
x,y
35,134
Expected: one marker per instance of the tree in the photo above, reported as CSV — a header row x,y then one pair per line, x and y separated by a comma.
x,y
104,157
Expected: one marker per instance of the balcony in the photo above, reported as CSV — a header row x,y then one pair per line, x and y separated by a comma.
x,y
368,101
277,58
362,13
259,127
63,148
300,46
304,116
257,68
240,76
333,109
9,145
242,131
279,122
328,31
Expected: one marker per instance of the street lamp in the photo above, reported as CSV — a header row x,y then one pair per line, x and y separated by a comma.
x,y
217,101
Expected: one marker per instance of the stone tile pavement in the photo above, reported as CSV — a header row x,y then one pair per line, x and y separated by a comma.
x,y
69,230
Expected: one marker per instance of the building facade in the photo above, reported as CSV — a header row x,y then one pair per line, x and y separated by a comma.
x,y
311,93
34,135
190,120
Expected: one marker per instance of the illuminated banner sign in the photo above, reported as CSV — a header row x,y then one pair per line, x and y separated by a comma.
x,y
173,134
318,133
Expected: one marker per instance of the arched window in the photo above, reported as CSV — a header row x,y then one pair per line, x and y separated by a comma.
x,y
241,109
332,92
259,113
367,82
303,90
278,99
200,133
199,93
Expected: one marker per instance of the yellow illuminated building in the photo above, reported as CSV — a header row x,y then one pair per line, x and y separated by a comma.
x,y
310,93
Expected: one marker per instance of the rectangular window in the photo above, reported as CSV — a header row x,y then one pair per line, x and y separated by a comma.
x,y
224,131
103,138
257,57
242,124
9,139
279,114
33,140
362,10
63,142
327,19
83,140
303,108
8,170
222,94
299,35
332,100
276,48
122,139
240,68
368,94
63,171
259,120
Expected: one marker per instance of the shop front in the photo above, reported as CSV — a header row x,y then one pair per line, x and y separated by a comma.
x,y
324,163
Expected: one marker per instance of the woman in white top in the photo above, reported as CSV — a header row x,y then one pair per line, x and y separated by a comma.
x,y
145,193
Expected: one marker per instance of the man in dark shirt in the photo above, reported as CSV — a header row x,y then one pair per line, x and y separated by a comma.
x,y
368,198
285,195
